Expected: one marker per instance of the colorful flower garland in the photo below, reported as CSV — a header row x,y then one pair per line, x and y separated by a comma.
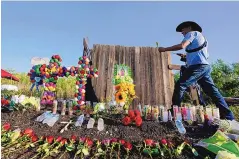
x,y
54,70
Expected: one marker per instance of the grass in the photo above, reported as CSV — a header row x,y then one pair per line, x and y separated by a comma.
x,y
235,110
65,86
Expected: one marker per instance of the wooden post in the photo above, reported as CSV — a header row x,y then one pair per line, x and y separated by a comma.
x,y
194,95
86,50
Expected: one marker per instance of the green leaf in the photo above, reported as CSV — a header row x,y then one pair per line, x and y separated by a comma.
x,y
70,147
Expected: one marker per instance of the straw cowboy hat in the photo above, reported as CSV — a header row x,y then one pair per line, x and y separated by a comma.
x,y
185,24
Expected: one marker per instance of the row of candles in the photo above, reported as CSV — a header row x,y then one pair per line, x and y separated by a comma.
x,y
193,113
66,105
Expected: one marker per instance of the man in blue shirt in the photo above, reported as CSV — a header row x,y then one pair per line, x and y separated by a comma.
x,y
198,68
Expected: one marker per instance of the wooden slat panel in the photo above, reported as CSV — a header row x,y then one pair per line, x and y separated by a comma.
x,y
121,54
147,73
117,47
160,78
106,64
142,76
96,51
110,69
126,55
152,75
150,71
103,57
132,66
168,99
171,79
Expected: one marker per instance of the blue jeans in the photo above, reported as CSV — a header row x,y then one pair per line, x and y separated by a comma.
x,y
202,75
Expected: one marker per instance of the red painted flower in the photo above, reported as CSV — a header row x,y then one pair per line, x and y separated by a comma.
x,y
6,126
63,141
73,138
58,139
138,120
149,142
28,132
131,114
82,139
113,140
126,120
49,139
89,142
128,146
34,138
164,141
122,142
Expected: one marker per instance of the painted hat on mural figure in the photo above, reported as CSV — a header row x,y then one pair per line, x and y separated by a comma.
x,y
186,24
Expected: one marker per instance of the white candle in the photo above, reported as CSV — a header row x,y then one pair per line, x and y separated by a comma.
x,y
193,110
170,116
165,116
209,112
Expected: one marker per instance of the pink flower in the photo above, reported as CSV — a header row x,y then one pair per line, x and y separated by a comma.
x,y
164,141
106,142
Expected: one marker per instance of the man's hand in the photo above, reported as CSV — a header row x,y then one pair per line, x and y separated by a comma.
x,y
161,49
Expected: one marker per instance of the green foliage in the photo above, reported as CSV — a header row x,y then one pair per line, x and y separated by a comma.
x,y
226,78
235,110
65,86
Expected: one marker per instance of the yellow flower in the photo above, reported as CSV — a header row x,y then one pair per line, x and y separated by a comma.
x,y
120,97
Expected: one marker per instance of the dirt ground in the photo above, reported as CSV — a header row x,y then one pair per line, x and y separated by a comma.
x,y
113,129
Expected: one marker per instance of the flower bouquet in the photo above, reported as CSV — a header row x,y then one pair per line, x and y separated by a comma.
x,y
124,87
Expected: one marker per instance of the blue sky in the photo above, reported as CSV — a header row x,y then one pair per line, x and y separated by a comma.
x,y
45,28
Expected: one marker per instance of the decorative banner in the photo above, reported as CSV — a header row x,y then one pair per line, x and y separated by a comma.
x,y
49,74
39,61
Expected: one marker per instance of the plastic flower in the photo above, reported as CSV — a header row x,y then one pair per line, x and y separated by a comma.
x,y
128,146
164,141
6,126
28,132
131,114
149,142
126,120
138,121
137,113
